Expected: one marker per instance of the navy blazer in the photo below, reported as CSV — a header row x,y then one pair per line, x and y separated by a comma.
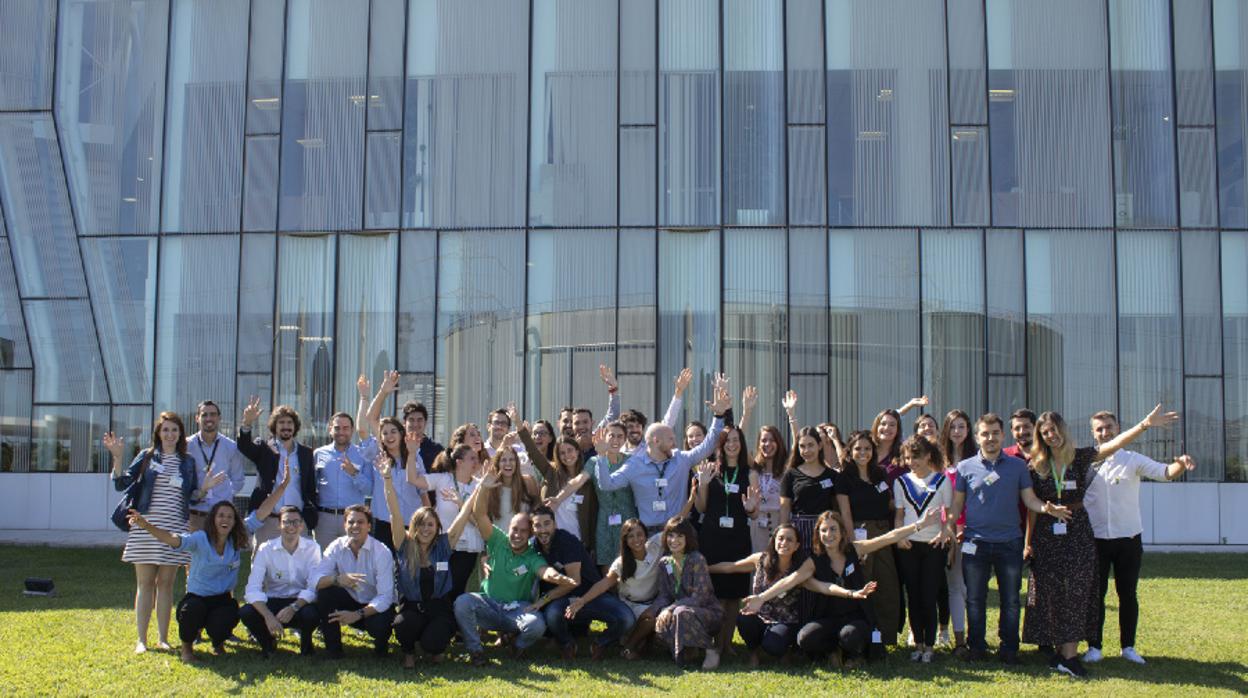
x,y
264,455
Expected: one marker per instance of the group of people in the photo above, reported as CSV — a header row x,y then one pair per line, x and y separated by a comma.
x,y
529,530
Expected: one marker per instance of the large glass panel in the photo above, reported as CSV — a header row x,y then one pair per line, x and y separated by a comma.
x,y
110,109
204,121
967,88
754,113
418,290
304,370
804,52
953,320
1006,394
1235,352
637,57
385,65
756,342
638,302
873,293
570,329
68,367
323,115
1230,47
808,193
689,305
259,385
122,276
808,301
1202,425
1150,334
1006,301
1143,112
969,145
637,188
134,424
1198,177
573,116
14,349
26,65
264,66
1193,62
367,285
812,405
888,154
480,325
465,134
689,118
36,208
256,333
66,438
1202,304
260,184
15,394
1049,113
381,198
1071,366
198,319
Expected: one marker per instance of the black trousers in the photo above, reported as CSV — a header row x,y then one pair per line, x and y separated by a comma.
x,y
431,623
305,619
215,614
942,600
823,635
462,564
774,638
382,532
338,599
922,569
1124,555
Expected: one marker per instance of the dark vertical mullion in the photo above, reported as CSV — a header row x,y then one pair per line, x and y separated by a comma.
x,y
21,309
949,114
1178,222
987,392
723,199
528,197
1217,213
242,207
989,192
918,252
398,272
336,247
1113,179
275,358
619,78
1026,324
368,75
658,196
787,354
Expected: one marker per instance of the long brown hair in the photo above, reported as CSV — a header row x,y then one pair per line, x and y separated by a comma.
x,y
628,563
774,466
816,542
849,467
770,561
415,555
968,447
442,464
168,417
238,533
743,458
519,494
394,422
895,448
561,477
795,456
1043,457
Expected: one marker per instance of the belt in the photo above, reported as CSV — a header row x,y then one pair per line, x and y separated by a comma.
x,y
327,510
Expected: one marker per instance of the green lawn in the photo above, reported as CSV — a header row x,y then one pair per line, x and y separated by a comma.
x,y
1193,634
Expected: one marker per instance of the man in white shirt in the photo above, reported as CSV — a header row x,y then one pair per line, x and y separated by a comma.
x,y
213,452
280,589
1113,504
355,585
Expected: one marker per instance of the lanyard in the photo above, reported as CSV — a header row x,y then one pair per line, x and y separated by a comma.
x,y
661,473
205,456
723,480
1059,479
678,569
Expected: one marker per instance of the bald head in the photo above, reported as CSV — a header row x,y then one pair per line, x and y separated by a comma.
x,y
660,441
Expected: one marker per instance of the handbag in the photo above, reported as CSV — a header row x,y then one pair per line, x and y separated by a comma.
x,y
121,515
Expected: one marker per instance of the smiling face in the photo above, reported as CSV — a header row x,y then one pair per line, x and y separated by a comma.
x,y
886,430
499,425
830,534
472,437
786,542
1104,429
209,418
391,437
615,438
661,439
340,430
357,527
675,542
1023,431
636,431
426,527
636,540
958,431
292,524
568,455
543,528
508,461
693,437
518,532
989,436
767,444
861,451
170,433
808,448
284,428
1052,435
732,444
223,521
926,427
581,424
415,423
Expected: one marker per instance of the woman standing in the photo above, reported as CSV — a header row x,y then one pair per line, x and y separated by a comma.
x,y
922,556
886,434
636,573
169,482
453,489
765,476
808,487
956,445
687,614
516,491
614,506
577,513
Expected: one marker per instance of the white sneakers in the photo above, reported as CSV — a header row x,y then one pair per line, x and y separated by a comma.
x,y
1093,655
1129,654
712,659
942,638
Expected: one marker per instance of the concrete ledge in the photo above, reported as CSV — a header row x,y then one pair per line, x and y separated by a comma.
x,y
64,538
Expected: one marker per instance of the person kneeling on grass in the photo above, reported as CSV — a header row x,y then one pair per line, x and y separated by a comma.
x,y
687,614
281,586
355,584
505,602
215,550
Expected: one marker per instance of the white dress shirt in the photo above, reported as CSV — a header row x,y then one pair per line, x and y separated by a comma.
x,y
470,540
283,575
1113,497
374,561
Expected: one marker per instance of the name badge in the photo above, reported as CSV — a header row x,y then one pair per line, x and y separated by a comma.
x,y
725,522
660,482
764,521
991,478
234,565
615,520
659,505
441,566
175,480
860,534
849,569
825,484
732,488
1059,528
1069,485
578,498
521,570
511,605
968,548
883,486
670,568
876,638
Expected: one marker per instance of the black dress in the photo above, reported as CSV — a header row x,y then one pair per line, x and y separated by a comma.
x,y
720,543
810,497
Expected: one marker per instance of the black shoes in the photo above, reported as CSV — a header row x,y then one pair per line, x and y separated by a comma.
x,y
1071,667
1009,657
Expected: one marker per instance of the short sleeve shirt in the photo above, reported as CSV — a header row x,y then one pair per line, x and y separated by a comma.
x,y
992,492
566,549
869,501
811,495
511,574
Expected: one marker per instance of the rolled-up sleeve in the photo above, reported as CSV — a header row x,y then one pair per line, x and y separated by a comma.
x,y
314,563
255,579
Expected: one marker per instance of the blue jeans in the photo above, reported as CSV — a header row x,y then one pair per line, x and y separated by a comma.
x,y
1005,559
476,612
607,608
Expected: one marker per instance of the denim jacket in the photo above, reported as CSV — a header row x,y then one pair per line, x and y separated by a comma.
x,y
143,501
439,557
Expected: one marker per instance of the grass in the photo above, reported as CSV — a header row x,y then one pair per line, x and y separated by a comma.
x,y
79,642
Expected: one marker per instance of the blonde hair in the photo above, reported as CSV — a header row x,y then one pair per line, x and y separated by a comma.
x,y
1043,456
416,556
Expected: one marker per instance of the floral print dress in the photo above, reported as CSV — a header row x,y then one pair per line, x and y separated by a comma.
x,y
687,598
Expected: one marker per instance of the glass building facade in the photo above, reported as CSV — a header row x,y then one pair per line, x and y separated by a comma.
x,y
998,203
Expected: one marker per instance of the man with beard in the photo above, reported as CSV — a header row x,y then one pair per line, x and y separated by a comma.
x,y
1023,429
577,422
212,451
415,416
341,477
281,450
635,422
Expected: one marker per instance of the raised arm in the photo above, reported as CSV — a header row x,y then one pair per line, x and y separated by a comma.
x,y
930,518
920,401
745,564
386,471
749,398
782,586
536,457
672,416
462,518
270,503
613,396
160,534
1156,418
372,419
569,489
718,406
789,402
480,510
414,469
706,472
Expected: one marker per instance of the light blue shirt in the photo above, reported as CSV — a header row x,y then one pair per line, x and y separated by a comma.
x,y
221,455
212,574
334,487
643,474
409,494
992,492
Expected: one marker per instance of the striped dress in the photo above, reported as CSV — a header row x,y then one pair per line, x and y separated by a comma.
x,y
165,513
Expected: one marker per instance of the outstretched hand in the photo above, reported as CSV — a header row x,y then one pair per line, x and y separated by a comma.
x,y
1157,418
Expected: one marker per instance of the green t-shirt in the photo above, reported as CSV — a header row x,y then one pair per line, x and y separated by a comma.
x,y
511,574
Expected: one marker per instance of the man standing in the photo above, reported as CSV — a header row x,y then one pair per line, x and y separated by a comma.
x,y
635,422
989,486
281,450
213,451
355,585
281,587
1023,429
1113,504
342,478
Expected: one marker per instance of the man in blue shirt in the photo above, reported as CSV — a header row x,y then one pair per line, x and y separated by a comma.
x,y
342,478
989,486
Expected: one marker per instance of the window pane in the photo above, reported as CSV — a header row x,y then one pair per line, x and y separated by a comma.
x,y
953,320
1143,118
67,439
134,424
689,102
367,281
637,56
36,208
689,306
260,184
804,45
1070,322
198,319
1230,44
637,189
1235,352
26,66
122,276
385,65
480,324
15,393
1006,394
1150,334
808,302
14,349
304,370
1006,298
638,303
1049,113
260,385
1202,304
812,405
1193,62
756,343
807,189
264,66
873,293
571,319
207,87
109,107
67,356
464,151
969,147
382,196
754,120
323,117
417,294
1202,424
255,303
573,113
1198,173
967,91
887,113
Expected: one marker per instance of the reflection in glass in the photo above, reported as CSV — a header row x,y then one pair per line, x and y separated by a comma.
x,y
953,320
385,65
14,349
804,53
808,301
367,285
381,205
26,73
689,304
264,66
66,353
418,292
638,304
256,333
1202,303
15,394
637,57
1230,45
1193,62
812,406
1198,202
756,342
969,151
1235,352
66,438
754,120
1202,425
1006,394
134,424
689,118
260,184
304,366
122,276
1006,301
637,189
967,90
808,194
259,385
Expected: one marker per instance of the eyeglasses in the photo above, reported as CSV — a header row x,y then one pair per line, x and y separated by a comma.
x,y
291,522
